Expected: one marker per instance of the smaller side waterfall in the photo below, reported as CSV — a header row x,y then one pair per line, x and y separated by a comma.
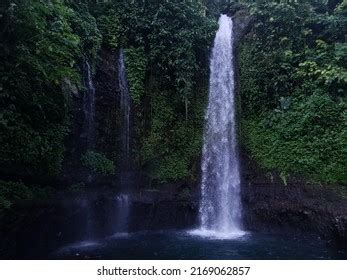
x,y
89,107
123,200
122,208
125,101
87,216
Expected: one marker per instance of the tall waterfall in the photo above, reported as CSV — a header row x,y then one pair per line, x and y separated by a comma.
x,y
89,107
220,206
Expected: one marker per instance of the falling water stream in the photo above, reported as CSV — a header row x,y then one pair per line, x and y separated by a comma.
x,y
124,108
89,108
123,199
123,208
88,134
220,207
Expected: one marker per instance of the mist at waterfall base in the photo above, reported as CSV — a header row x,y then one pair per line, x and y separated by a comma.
x,y
219,233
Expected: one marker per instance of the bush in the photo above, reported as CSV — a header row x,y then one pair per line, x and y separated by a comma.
x,y
10,192
44,40
307,139
98,163
293,80
135,61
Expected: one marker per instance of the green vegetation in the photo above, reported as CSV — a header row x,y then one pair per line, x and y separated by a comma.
x,y
135,63
166,49
40,46
13,192
293,82
166,46
98,163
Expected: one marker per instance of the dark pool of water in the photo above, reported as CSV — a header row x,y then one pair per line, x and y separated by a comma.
x,y
183,245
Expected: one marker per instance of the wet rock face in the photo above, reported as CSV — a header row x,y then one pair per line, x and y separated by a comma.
x,y
107,102
242,23
174,207
107,120
269,205
295,208
163,215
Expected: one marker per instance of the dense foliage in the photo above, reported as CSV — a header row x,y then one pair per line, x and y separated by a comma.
x,y
98,163
292,81
166,49
293,86
12,192
41,42
166,46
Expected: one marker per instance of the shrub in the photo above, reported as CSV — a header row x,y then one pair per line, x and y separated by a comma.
x,y
98,163
10,192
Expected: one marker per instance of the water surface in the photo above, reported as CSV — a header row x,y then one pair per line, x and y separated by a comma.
x,y
185,246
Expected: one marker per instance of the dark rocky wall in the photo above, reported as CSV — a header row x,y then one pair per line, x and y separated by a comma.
x,y
107,103
270,205
276,208
107,121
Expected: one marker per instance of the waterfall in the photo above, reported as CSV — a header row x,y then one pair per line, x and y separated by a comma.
x,y
123,199
89,107
122,204
124,107
220,206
